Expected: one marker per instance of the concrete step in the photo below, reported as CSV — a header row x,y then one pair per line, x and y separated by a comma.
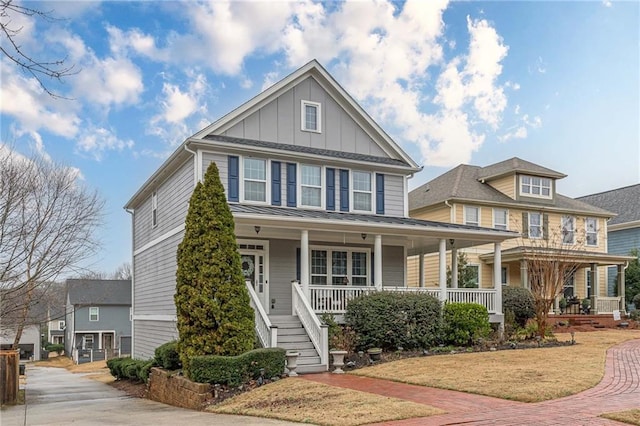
x,y
287,325
291,332
295,346
294,338
310,369
308,360
284,319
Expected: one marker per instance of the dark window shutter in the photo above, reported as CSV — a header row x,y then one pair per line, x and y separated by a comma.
x,y
298,263
545,226
291,185
379,193
234,178
276,198
525,225
373,269
344,190
331,189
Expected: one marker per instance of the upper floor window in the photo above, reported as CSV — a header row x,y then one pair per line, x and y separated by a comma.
x,y
591,228
311,116
255,179
535,186
568,229
60,325
362,191
500,218
535,225
154,209
310,186
94,313
471,215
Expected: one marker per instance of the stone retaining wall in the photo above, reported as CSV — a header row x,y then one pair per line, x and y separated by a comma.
x,y
177,390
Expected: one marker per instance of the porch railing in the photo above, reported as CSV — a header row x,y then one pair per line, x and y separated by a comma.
x,y
318,333
481,296
267,332
606,305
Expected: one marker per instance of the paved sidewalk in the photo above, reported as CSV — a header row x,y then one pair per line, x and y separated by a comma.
x,y
619,390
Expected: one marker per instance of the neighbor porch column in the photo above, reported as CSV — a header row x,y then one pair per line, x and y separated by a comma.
x,y
524,276
99,340
595,288
442,269
497,275
454,267
621,289
421,270
304,263
377,261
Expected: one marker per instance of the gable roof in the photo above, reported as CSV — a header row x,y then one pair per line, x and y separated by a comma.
x,y
99,292
464,183
624,201
516,165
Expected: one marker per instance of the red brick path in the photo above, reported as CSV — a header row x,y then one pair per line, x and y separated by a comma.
x,y
618,390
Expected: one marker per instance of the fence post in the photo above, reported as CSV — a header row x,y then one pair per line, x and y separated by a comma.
x,y
10,375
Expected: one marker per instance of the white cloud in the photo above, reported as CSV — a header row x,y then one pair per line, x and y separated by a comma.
x,y
95,141
607,3
520,132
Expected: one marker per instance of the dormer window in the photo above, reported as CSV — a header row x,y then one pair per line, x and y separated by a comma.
x,y
532,186
311,116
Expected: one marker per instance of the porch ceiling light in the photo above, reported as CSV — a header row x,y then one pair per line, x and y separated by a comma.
x,y
452,242
257,228
364,236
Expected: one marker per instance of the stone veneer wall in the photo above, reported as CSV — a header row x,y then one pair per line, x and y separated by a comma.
x,y
178,390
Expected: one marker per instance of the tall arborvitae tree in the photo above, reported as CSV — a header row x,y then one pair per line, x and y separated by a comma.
x,y
212,302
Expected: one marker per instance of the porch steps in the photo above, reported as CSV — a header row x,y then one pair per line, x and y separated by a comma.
x,y
293,337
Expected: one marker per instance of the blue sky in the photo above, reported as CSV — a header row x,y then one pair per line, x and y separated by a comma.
x,y
555,83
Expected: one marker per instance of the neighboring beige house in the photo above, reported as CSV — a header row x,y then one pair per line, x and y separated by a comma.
x,y
505,196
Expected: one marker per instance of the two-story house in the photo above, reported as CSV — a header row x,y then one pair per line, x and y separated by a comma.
x,y
521,196
623,230
98,319
56,324
318,192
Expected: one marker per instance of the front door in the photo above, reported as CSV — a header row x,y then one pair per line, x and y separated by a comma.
x,y
107,341
254,269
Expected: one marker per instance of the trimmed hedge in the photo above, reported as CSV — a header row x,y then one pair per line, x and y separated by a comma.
x,y
167,356
465,323
520,301
390,320
130,369
236,370
54,347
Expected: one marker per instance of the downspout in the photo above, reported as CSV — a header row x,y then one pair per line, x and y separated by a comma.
x,y
197,176
451,218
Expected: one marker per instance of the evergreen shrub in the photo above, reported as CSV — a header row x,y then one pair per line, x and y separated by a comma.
x,y
465,323
236,370
167,357
520,301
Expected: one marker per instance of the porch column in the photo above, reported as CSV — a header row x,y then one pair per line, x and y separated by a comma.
x,y
595,288
454,267
497,275
304,263
99,340
421,269
621,289
377,261
524,276
442,269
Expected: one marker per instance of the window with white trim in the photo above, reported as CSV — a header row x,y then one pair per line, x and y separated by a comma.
x,y
255,179
533,186
310,186
474,275
349,266
311,116
568,229
591,228
535,225
94,313
362,191
154,209
568,287
60,325
504,275
87,341
500,219
471,215
588,276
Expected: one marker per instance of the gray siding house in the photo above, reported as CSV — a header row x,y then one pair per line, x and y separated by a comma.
x,y
98,318
623,231
318,192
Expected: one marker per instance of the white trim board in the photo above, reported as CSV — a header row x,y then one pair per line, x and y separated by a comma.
x,y
160,239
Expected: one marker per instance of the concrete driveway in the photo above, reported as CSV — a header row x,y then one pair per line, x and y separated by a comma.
x,y
55,396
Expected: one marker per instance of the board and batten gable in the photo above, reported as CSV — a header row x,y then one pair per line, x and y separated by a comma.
x,y
280,121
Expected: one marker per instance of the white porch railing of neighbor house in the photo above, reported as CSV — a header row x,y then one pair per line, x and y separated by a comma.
x,y
318,332
267,332
606,305
334,299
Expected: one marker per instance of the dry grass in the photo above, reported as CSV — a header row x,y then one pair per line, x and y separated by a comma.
x,y
631,417
304,401
93,370
523,375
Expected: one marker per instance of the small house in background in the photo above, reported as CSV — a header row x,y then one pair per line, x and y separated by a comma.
x,y
30,342
56,324
98,319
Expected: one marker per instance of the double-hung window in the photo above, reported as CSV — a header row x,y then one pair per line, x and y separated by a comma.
x,y
362,191
61,325
340,267
154,209
535,225
87,342
94,313
535,186
500,218
471,215
255,179
568,229
311,116
591,228
310,186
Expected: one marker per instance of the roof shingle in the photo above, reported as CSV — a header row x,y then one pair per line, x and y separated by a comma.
x,y
623,201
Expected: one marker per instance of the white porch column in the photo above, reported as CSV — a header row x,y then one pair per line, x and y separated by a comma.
x,y
524,276
304,263
421,270
595,288
442,269
377,261
621,289
454,267
99,340
497,275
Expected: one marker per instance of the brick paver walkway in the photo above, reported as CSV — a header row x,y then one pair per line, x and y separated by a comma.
x,y
618,390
